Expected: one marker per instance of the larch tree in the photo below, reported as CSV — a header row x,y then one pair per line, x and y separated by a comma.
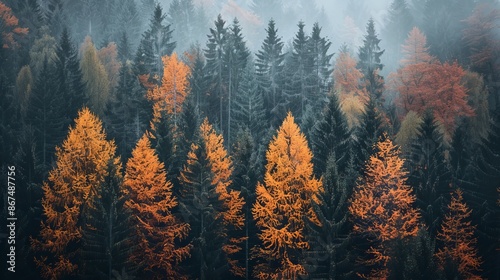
x,y
347,77
382,207
150,201
174,88
282,202
109,58
95,78
81,166
212,206
415,48
458,256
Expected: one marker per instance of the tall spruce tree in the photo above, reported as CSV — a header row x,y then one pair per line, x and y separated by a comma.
x,y
155,43
369,62
321,66
368,133
269,67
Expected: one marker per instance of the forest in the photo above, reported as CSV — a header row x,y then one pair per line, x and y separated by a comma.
x,y
232,139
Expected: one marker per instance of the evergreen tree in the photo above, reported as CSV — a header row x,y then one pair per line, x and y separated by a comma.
x,y
331,136
321,65
69,76
156,42
199,81
369,63
399,23
269,66
182,14
429,174
106,241
368,133
328,256
55,17
213,208
46,116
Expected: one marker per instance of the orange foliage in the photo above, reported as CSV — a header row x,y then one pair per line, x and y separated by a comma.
x,y
81,167
347,78
109,58
431,86
173,90
9,27
151,203
457,236
382,204
415,48
283,201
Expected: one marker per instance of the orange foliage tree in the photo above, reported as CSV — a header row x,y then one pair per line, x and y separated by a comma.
x,y
174,88
9,27
282,203
382,206
109,59
213,207
347,78
82,166
425,84
458,256
155,227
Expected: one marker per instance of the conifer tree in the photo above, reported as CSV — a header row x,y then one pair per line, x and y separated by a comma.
x,y
212,206
321,65
369,63
106,239
399,22
269,66
155,228
156,42
368,133
328,256
81,167
69,76
95,77
331,135
382,207
458,257
282,202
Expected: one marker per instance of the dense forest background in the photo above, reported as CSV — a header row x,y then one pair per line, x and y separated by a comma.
x,y
189,139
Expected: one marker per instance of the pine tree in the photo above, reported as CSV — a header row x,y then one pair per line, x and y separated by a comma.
x,y
155,228
156,42
382,207
269,66
212,206
282,201
46,116
321,65
331,135
328,256
369,63
458,257
428,172
106,239
81,167
368,133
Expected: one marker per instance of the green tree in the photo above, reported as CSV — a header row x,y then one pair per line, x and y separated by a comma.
x,y
369,63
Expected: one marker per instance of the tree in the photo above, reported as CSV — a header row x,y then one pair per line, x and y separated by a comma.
x,y
328,256
69,76
398,24
106,240
321,66
43,48
331,135
81,167
458,256
11,31
212,206
369,62
282,201
367,133
382,207
150,201
347,78
173,90
95,77
415,48
24,87
155,43
182,15
109,59
269,65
